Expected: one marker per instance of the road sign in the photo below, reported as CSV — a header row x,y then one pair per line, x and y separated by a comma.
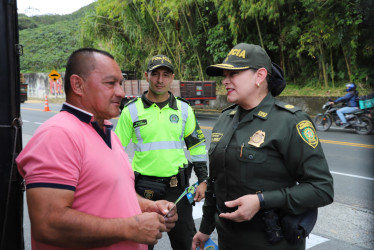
x,y
54,75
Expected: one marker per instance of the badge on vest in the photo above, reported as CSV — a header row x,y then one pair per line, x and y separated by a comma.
x,y
174,118
139,123
307,133
257,138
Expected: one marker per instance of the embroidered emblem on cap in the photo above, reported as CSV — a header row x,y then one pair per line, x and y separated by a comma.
x,y
237,52
174,118
148,194
216,137
307,133
257,138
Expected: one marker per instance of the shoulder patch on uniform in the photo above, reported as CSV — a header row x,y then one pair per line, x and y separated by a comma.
x,y
289,107
229,107
307,133
183,100
131,101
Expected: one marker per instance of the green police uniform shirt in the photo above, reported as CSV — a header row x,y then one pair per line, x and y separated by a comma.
x,y
271,149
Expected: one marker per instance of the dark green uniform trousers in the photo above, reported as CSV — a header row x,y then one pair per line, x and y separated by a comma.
x,y
183,232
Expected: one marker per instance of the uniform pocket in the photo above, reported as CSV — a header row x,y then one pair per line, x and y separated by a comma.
x,y
253,155
250,160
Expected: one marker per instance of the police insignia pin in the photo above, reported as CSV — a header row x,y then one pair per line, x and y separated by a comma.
x,y
289,106
257,138
148,194
262,114
307,133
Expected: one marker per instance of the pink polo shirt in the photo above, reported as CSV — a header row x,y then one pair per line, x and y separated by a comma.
x,y
67,152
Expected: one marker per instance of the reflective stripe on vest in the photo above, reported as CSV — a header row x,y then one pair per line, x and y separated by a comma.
x,y
143,147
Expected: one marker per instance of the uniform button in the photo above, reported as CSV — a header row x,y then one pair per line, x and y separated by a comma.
x,y
250,157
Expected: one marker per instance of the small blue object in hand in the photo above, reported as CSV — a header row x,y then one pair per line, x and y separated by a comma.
x,y
209,245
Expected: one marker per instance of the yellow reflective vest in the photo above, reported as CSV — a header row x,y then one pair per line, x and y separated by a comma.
x,y
159,135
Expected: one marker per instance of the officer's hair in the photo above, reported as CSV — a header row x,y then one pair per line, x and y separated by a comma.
x,y
81,62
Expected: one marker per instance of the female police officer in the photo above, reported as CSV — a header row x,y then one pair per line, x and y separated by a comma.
x,y
264,155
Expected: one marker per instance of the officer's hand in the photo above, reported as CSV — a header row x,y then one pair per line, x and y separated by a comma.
x,y
248,206
148,229
199,240
169,211
331,102
200,192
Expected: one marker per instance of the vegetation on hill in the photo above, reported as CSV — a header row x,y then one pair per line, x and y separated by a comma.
x,y
48,40
320,44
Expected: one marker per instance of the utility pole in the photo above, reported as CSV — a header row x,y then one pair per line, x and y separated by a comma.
x,y
11,190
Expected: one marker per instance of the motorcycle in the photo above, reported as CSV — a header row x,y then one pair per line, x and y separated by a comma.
x,y
359,119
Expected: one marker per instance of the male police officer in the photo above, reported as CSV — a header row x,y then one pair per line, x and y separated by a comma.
x,y
159,124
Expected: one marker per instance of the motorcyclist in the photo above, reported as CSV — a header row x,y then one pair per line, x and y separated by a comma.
x,y
351,100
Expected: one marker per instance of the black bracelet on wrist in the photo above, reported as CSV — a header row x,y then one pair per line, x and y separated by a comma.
x,y
261,199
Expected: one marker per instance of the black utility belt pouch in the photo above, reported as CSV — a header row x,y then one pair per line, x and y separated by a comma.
x,y
151,190
298,227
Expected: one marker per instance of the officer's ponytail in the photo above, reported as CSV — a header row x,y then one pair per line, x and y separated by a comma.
x,y
277,83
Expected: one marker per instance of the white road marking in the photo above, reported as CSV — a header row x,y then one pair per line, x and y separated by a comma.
x,y
352,175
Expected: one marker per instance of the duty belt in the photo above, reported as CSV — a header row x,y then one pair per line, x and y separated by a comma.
x,y
181,179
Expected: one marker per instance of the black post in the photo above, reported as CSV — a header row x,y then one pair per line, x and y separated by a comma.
x,y
11,192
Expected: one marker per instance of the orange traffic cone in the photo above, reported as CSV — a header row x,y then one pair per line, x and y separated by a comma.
x,y
46,106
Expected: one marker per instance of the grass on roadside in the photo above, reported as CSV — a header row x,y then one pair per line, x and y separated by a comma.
x,y
296,90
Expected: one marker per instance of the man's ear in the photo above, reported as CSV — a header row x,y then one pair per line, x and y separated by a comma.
x,y
146,76
76,83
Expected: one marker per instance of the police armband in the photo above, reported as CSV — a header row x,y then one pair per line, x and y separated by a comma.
x,y
195,138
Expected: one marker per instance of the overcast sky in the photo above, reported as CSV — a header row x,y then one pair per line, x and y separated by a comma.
x,y
42,7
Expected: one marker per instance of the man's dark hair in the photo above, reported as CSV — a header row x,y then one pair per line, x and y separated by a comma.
x,y
81,62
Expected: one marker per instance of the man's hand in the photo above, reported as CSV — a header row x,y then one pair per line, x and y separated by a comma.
x,y
149,228
169,211
199,240
248,206
200,191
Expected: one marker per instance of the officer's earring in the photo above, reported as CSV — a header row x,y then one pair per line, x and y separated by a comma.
x,y
258,85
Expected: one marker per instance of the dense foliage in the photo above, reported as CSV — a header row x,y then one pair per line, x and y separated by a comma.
x,y
48,40
318,43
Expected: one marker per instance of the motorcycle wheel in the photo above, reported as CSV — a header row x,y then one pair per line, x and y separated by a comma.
x,y
363,125
322,122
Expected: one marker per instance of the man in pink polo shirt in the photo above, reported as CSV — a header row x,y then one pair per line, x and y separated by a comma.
x,y
82,195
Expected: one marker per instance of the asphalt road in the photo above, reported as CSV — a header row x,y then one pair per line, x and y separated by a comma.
x,y
348,223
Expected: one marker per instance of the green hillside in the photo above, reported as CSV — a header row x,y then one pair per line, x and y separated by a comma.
x,y
48,40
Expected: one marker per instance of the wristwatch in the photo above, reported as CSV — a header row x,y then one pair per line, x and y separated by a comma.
x,y
261,199
205,181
